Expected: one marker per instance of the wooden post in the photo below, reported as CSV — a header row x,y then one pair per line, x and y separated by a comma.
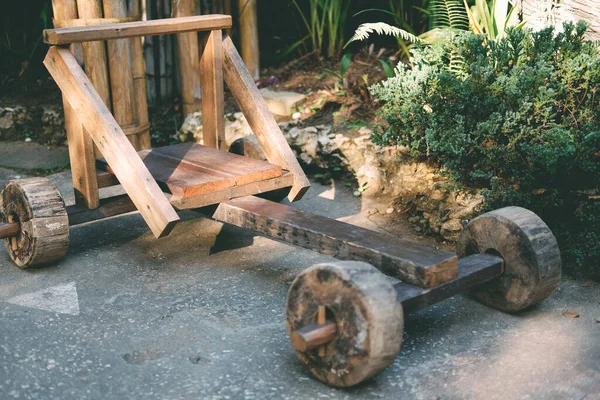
x,y
94,56
227,10
139,86
211,78
121,73
188,58
81,146
249,36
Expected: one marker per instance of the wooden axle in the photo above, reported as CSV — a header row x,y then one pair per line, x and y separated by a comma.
x,y
8,229
474,271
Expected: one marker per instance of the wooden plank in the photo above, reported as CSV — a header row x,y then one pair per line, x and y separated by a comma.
x,y
190,169
249,36
211,83
111,140
121,73
420,265
163,26
81,146
250,189
473,271
188,60
259,118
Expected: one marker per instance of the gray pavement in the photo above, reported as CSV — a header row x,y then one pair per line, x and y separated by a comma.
x,y
200,315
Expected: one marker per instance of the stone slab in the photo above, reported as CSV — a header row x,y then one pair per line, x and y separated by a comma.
x,y
28,156
282,103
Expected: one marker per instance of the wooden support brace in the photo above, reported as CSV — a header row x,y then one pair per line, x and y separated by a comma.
x,y
211,84
260,119
108,136
420,265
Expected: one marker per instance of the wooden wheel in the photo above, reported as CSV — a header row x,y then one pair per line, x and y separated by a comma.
x,y
368,319
248,146
532,265
39,209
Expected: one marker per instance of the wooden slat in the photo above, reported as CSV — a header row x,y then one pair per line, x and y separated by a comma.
x,y
163,26
190,169
109,207
473,271
420,265
111,140
121,73
259,118
284,181
211,83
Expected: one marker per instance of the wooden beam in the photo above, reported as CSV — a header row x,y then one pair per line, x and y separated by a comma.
x,y
397,257
260,119
163,26
211,82
473,271
108,136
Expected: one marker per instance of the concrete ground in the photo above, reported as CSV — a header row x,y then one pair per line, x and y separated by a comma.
x,y
200,314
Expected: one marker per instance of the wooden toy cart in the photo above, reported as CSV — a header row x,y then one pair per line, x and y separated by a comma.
x,y
345,319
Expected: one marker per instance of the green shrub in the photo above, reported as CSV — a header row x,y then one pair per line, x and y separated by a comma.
x,y
518,117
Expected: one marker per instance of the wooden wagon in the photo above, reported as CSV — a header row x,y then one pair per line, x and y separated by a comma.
x,y
344,318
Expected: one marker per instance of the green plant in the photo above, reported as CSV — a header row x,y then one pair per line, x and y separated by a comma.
x,y
344,66
324,20
520,119
493,18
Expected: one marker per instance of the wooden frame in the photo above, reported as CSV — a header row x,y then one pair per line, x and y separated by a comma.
x,y
219,60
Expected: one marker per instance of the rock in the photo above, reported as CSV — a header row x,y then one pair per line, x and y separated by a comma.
x,y
389,210
357,193
282,103
413,220
451,229
191,130
296,115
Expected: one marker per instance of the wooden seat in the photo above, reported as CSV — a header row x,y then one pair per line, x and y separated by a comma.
x,y
189,170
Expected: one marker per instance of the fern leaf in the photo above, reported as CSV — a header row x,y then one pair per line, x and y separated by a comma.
x,y
381,28
448,13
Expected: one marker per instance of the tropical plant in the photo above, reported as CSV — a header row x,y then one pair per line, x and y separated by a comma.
x,y
493,18
344,66
451,16
324,21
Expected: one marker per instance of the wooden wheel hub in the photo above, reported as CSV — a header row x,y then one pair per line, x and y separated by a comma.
x,y
361,305
37,208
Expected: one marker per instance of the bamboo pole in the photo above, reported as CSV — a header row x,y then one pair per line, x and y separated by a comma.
x,y
189,61
94,56
121,75
81,146
139,85
249,36
227,9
